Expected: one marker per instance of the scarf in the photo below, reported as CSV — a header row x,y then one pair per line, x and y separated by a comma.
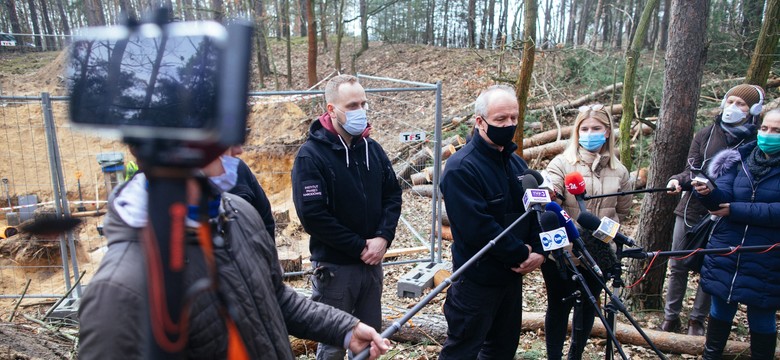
x,y
737,133
760,165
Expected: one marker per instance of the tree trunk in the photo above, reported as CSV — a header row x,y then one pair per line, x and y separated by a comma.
x,y
570,29
287,36
632,57
34,20
547,25
596,20
502,21
751,22
323,25
15,26
490,20
444,40
50,40
561,34
339,34
312,34
582,27
363,26
621,26
685,60
526,69
471,23
766,47
665,25
303,17
218,10
263,65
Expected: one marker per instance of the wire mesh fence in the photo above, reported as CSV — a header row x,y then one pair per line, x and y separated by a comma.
x,y
48,168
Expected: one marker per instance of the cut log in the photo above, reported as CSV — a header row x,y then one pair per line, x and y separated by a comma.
x,y
416,163
545,151
420,178
423,190
445,220
446,232
392,253
447,151
582,100
546,137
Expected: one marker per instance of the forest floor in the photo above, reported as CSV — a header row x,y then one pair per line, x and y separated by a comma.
x,y
279,127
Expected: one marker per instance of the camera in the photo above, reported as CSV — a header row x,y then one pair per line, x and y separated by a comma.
x,y
177,91
704,179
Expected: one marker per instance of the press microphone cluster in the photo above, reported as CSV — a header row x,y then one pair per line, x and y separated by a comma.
x,y
573,234
605,229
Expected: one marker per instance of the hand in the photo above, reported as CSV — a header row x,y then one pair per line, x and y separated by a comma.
x,y
534,261
364,335
374,251
723,211
674,184
701,188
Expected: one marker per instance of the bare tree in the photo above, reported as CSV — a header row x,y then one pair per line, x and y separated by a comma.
x,y
526,69
47,25
572,23
471,23
263,65
312,36
766,47
751,22
665,25
10,5
339,33
323,25
685,58
582,27
596,19
34,20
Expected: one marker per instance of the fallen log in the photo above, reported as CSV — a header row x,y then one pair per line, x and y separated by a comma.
x,y
423,190
420,178
446,232
433,327
582,100
545,151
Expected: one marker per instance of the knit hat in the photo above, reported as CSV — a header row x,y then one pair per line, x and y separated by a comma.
x,y
746,92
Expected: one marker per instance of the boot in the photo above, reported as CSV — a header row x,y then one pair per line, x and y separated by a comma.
x,y
695,328
762,346
670,325
717,335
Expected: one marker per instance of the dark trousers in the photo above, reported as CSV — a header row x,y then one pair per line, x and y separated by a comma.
x,y
556,319
354,288
483,322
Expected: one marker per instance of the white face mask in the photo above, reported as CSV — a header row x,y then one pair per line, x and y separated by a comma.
x,y
229,178
732,114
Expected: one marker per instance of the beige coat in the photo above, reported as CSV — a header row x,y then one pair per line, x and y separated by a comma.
x,y
599,179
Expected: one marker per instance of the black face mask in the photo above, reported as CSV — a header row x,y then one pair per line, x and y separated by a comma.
x,y
501,136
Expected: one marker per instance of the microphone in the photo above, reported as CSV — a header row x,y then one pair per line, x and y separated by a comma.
x,y
605,229
575,185
574,234
553,239
534,198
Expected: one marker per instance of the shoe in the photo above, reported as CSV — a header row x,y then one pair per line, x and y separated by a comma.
x,y
762,346
717,336
695,328
670,325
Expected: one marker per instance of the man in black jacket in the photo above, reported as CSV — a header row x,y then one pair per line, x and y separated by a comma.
x,y
349,201
482,190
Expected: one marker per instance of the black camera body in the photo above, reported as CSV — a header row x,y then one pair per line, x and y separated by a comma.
x,y
176,92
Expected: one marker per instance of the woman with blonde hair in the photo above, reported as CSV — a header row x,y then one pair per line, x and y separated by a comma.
x,y
591,152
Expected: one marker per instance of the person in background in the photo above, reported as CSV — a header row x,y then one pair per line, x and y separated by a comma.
x,y
733,127
747,198
349,202
482,190
263,310
591,152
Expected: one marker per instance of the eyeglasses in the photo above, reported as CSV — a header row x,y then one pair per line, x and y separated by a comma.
x,y
594,107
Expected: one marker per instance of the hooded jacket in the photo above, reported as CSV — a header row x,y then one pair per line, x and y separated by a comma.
x,y
754,219
250,190
706,143
113,318
482,190
344,193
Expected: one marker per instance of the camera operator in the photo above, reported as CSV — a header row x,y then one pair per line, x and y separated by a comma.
x,y
591,152
729,131
113,313
482,190
747,198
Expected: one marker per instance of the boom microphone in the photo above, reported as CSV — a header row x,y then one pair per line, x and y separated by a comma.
x,y
575,185
605,229
565,220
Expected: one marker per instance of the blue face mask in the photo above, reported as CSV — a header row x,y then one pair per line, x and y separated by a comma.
x,y
356,121
592,141
769,143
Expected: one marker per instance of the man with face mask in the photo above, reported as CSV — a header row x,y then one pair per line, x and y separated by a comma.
x,y
349,202
483,192
733,127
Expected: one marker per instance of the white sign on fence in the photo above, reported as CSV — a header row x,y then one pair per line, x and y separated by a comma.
x,y
412,136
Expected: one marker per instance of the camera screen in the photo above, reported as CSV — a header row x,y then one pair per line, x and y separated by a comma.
x,y
162,81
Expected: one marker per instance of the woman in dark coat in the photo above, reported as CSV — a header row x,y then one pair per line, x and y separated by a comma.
x,y
747,198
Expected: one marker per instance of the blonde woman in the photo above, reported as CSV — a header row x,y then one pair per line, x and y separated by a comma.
x,y
591,152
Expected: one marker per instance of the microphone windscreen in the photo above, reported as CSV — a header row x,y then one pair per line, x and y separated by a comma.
x,y
548,221
563,219
537,175
588,221
529,182
575,183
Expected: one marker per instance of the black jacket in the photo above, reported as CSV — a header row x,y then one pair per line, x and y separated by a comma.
x,y
249,189
344,196
483,193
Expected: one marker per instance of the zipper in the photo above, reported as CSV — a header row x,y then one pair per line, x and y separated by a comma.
x,y
736,269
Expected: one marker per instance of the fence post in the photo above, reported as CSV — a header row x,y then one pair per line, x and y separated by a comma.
x,y
436,208
60,193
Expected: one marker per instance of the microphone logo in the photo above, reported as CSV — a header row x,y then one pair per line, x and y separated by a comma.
x,y
554,239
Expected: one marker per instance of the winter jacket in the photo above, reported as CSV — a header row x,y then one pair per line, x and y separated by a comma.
x,y
344,194
754,219
706,143
113,318
599,179
482,190
250,190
